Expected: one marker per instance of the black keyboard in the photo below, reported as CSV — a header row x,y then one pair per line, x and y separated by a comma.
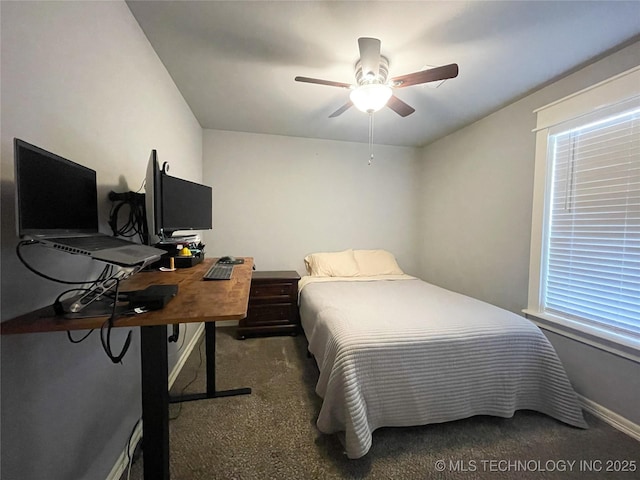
x,y
219,271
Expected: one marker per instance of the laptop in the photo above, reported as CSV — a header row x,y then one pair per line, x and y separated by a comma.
x,y
57,205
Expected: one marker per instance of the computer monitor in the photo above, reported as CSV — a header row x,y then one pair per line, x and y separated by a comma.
x,y
153,197
175,204
185,205
53,195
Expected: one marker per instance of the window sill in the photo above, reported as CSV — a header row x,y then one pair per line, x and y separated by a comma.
x,y
618,345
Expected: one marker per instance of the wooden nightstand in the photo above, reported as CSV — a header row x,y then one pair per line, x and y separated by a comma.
x,y
273,305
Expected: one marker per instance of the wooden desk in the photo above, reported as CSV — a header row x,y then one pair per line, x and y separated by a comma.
x,y
197,301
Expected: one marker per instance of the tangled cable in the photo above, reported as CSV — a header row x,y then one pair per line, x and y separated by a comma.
x,y
136,220
107,272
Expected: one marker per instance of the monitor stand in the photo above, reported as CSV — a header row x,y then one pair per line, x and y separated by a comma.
x,y
99,307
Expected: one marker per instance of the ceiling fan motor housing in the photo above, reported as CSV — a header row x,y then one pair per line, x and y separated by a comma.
x,y
364,78
373,90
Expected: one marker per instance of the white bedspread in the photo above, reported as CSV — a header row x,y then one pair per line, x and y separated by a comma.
x,y
405,352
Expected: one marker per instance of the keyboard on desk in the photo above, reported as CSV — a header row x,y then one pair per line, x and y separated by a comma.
x,y
218,271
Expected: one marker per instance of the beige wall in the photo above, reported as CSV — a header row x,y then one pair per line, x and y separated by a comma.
x,y
475,222
475,209
476,188
279,198
79,79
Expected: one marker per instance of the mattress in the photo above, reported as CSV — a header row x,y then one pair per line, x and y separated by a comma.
x,y
400,352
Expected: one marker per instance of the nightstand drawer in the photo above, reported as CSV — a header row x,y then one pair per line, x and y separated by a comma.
x,y
262,290
273,313
273,304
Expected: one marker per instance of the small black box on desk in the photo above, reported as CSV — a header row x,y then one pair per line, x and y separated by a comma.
x,y
153,297
178,262
185,262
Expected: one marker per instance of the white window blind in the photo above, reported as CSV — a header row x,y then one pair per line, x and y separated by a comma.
x,y
591,250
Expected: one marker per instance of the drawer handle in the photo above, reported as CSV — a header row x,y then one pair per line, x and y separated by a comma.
x,y
282,291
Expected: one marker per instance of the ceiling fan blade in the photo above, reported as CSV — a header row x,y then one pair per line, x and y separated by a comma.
x,y
369,56
399,106
342,109
425,76
322,82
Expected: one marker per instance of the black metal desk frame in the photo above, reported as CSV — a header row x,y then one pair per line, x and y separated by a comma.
x,y
156,399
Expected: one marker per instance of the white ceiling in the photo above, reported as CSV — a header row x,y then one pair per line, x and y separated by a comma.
x,y
235,61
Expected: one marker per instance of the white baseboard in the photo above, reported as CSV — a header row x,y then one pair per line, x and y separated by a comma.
x,y
122,463
616,421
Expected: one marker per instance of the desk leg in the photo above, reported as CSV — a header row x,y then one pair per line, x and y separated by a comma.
x,y
155,402
210,345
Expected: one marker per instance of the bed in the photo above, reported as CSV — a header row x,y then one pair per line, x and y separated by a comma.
x,y
393,350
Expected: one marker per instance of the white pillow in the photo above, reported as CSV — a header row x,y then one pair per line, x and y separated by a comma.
x,y
332,264
376,262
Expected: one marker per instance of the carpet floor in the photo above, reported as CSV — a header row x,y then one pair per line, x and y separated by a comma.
x,y
271,434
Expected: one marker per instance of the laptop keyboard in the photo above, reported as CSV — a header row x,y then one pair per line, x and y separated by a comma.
x,y
91,243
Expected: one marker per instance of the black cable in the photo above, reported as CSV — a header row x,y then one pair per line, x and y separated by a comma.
x,y
106,344
106,272
131,458
184,337
57,303
176,333
136,222
57,306
129,440
129,228
40,274
72,340
195,377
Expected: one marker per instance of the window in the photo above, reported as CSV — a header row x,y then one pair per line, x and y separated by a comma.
x,y
591,261
585,263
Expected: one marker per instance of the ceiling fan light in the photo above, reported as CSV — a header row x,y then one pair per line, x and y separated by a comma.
x,y
370,97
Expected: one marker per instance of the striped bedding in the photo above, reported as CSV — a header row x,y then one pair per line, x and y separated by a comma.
x,y
405,352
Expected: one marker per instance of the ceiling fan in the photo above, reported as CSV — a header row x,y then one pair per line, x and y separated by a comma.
x,y
372,91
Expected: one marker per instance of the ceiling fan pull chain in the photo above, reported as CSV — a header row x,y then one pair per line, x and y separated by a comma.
x,y
370,137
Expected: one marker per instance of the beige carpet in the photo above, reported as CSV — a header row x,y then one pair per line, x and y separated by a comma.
x,y
271,433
